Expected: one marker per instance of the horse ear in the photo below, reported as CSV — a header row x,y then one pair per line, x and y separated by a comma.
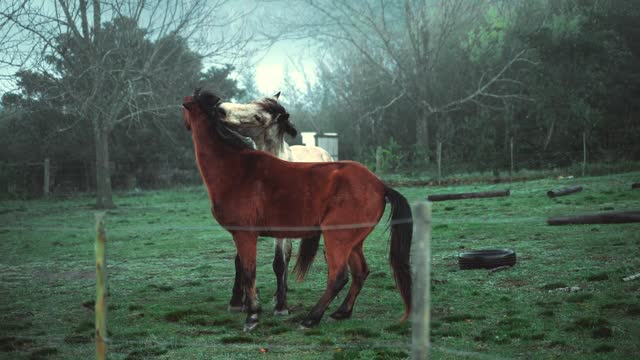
x,y
276,96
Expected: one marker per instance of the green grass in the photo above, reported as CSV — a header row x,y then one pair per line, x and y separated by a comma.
x,y
170,270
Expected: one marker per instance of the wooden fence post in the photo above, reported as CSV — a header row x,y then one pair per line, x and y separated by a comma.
x,y
101,289
439,161
421,302
47,174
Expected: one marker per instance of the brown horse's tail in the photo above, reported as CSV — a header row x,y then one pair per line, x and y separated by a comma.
x,y
306,253
399,254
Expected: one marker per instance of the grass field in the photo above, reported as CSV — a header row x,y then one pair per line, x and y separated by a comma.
x,y
171,268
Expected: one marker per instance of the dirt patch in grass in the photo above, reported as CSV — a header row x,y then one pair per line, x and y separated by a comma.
x,y
633,310
238,339
511,283
556,343
65,275
403,328
210,322
176,316
514,323
313,332
548,304
14,326
587,323
10,343
279,330
375,354
135,307
462,317
598,277
489,335
362,333
535,337
146,353
605,348
163,288
43,353
81,334
553,286
579,298
546,313
602,332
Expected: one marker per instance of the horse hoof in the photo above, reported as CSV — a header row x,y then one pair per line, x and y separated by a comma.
x,y
251,322
281,312
340,316
250,326
307,324
236,309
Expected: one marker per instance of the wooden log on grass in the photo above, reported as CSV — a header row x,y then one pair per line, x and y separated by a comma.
x,y
635,186
631,277
613,217
564,191
473,195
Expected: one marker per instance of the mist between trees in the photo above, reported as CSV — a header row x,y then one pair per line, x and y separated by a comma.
x,y
100,83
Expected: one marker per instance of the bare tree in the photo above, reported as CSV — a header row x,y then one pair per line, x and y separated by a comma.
x,y
406,42
115,61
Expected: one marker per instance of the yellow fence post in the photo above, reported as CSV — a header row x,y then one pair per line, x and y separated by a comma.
x,y
101,289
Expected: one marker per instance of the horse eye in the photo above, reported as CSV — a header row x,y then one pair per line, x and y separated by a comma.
x,y
258,118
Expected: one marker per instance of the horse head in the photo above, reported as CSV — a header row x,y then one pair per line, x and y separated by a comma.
x,y
265,118
201,106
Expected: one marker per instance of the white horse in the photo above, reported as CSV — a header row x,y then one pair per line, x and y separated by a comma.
x,y
263,122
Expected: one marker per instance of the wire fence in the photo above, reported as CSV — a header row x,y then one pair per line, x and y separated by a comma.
x,y
41,178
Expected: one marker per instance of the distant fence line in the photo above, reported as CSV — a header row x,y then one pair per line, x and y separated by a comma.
x,y
41,178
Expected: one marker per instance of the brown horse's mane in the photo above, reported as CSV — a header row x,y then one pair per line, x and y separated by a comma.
x,y
208,102
280,115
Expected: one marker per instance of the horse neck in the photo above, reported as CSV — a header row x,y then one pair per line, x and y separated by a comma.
x,y
216,160
272,144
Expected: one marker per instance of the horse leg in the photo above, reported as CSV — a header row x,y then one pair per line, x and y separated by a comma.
x,y
280,267
246,244
359,273
337,249
236,304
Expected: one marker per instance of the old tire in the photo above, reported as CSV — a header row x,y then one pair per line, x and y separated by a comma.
x,y
486,259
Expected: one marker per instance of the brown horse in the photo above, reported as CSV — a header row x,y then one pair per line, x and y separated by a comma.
x,y
253,194
266,122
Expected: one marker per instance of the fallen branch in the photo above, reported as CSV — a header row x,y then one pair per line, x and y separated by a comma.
x,y
473,195
631,277
564,191
615,217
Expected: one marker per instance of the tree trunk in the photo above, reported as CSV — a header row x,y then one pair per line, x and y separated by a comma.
x,y
422,134
103,175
